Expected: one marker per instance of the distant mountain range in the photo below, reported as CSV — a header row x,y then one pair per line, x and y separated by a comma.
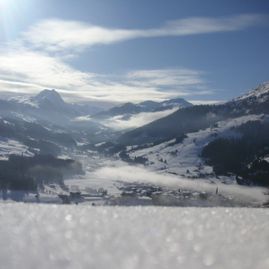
x,y
194,118
39,121
130,109
226,141
49,106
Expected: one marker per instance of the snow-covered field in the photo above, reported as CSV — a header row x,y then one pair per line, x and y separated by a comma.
x,y
45,236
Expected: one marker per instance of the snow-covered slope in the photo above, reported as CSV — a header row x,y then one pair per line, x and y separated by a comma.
x,y
77,237
193,118
24,100
260,94
183,158
11,146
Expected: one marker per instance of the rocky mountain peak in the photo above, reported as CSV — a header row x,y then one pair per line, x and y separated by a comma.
x,y
51,96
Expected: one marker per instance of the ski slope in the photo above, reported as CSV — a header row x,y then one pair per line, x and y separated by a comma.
x,y
43,236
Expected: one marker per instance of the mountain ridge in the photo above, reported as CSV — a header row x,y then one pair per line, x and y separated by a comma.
x,y
197,117
145,106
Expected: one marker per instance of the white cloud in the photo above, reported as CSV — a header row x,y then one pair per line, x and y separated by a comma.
x,y
40,59
205,102
180,79
28,67
57,35
54,35
23,70
135,121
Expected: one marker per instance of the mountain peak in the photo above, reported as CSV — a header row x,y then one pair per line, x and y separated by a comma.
x,y
176,102
261,92
51,96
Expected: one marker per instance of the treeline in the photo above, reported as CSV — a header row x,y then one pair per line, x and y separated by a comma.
x,y
243,156
28,173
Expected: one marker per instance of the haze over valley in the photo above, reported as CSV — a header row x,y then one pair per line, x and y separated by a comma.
x,y
164,153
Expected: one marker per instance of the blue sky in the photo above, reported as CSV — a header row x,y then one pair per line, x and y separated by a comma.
x,y
125,50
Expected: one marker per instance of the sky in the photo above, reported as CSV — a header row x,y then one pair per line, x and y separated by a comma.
x,y
131,51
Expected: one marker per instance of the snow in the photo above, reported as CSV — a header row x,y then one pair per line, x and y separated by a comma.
x,y
112,174
23,117
261,93
82,118
100,144
24,100
10,146
44,236
182,157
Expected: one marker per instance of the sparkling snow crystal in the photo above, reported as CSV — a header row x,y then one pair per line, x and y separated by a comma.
x,y
42,236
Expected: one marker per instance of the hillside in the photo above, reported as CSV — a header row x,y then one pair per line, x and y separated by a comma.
x,y
227,142
198,117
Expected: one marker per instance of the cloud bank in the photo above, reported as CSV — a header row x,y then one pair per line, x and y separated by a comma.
x,y
40,58
57,35
127,173
24,70
138,120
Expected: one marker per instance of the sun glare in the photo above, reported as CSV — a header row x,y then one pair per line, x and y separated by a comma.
x,y
7,5
3,3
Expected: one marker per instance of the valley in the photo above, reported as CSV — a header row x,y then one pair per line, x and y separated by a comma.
x,y
164,162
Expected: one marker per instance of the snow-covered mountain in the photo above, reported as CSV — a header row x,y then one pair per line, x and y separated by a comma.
x,y
194,141
208,141
255,101
198,117
50,97
225,143
46,106
259,94
130,116
129,109
49,107
45,124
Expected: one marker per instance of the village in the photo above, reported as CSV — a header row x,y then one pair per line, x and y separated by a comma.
x,y
129,194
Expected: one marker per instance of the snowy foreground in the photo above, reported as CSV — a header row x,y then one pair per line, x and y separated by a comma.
x,y
45,236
